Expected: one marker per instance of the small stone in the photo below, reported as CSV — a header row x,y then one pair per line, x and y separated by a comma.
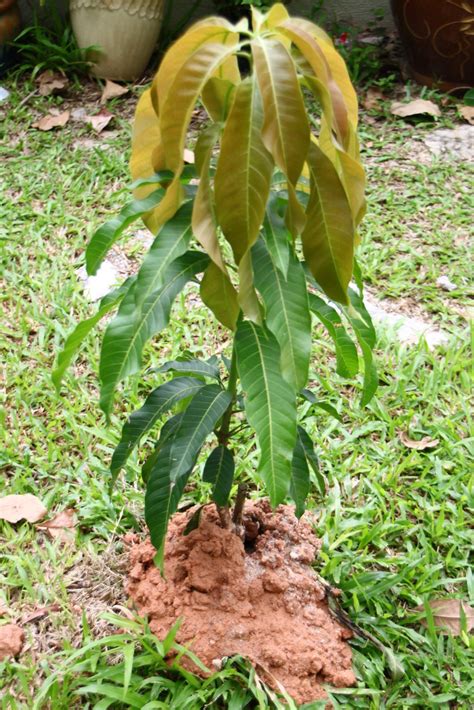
x,y
98,286
445,283
274,583
11,640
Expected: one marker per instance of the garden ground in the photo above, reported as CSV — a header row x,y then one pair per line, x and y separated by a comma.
x,y
395,522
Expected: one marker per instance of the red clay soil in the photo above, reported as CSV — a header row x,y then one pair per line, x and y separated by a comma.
x,y
261,601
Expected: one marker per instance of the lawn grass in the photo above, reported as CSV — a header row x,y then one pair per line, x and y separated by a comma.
x,y
395,522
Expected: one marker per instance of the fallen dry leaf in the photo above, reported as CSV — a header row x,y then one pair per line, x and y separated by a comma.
x,y
21,507
11,640
425,443
414,108
100,120
112,91
39,613
61,527
447,615
372,99
51,83
46,123
467,112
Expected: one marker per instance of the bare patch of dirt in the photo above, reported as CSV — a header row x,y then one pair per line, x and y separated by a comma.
x,y
260,600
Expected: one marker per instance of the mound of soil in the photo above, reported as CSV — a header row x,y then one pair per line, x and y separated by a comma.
x,y
260,600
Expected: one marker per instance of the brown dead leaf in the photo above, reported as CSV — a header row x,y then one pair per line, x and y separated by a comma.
x,y
188,156
51,83
11,640
39,613
21,507
372,99
467,112
447,615
100,120
425,443
46,123
3,608
414,108
61,527
112,91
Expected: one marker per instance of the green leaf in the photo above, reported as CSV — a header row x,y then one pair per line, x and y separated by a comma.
x,y
366,326
300,482
218,293
270,405
328,237
176,458
325,406
219,470
82,330
109,232
205,368
161,400
126,335
347,359
244,169
287,312
276,234
194,521
308,448
171,242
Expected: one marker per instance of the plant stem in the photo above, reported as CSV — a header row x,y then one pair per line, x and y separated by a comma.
x,y
223,433
239,504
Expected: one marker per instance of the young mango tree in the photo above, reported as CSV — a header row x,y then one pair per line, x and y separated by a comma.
x,y
265,220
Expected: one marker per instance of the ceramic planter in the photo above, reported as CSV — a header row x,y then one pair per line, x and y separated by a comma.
x,y
438,39
10,22
125,30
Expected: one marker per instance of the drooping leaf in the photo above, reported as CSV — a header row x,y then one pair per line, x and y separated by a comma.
x,y
248,299
325,406
217,97
127,333
145,138
171,242
287,312
218,293
276,235
365,334
219,470
176,458
328,237
300,482
108,233
194,520
270,405
244,168
75,340
308,448
366,325
161,400
204,368
203,220
285,130
347,359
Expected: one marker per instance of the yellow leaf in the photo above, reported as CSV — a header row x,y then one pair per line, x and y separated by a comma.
x,y
203,223
212,29
248,298
336,63
328,237
244,169
177,107
145,138
285,129
311,49
218,293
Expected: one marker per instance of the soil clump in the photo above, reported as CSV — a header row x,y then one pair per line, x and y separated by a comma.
x,y
259,599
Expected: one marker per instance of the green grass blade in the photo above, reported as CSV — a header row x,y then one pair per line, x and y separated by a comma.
x,y
270,405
